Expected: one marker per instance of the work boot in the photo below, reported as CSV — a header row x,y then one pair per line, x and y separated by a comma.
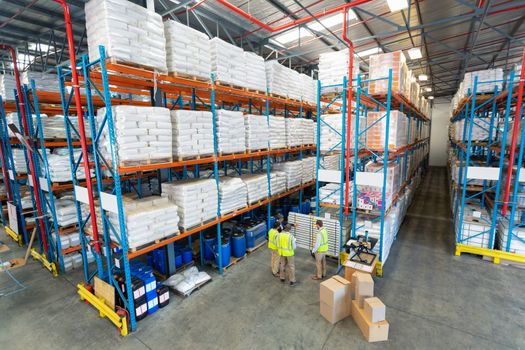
x,y
292,284
282,281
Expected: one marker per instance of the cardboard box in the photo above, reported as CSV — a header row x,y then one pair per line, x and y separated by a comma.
x,y
353,266
373,332
374,310
363,287
334,297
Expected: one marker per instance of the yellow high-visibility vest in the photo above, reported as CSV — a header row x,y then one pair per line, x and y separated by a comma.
x,y
273,235
285,244
323,247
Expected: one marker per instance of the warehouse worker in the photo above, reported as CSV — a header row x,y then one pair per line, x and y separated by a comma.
x,y
279,218
286,246
320,249
273,237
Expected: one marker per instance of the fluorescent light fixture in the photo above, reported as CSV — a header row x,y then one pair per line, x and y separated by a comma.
x,y
369,52
428,89
415,53
292,35
430,97
397,5
423,77
331,21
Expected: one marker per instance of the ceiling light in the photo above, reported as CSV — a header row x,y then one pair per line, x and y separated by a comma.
x,y
428,89
430,97
331,21
369,52
292,35
396,5
415,53
422,77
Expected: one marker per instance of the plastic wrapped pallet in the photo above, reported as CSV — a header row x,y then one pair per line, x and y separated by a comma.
x,y
293,170
277,182
294,84
331,132
129,32
53,127
333,66
480,131
370,196
516,244
307,128
66,211
294,133
256,186
331,162
43,81
19,160
227,63
487,80
277,78
308,88
256,128
397,134
144,135
7,87
255,71
187,50
230,131
277,132
232,194
196,200
60,165
12,118
379,66
192,133
308,169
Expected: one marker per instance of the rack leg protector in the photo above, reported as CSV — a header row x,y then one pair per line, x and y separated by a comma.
x,y
379,269
15,236
104,310
46,263
498,255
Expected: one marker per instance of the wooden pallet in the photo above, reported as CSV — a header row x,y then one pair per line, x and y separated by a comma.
x,y
188,76
133,163
259,201
233,211
197,287
221,154
120,62
257,247
258,150
68,229
233,261
202,223
157,241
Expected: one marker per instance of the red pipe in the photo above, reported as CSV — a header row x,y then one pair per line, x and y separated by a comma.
x,y
349,108
514,137
34,178
80,116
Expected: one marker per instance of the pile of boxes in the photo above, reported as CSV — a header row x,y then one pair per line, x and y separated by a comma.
x,y
192,133
487,81
480,131
397,132
370,197
340,298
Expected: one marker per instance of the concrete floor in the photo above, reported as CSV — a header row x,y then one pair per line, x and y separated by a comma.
x,y
434,301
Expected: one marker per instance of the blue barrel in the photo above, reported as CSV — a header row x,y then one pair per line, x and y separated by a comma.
x,y
294,209
238,244
306,208
225,251
209,243
187,256
178,259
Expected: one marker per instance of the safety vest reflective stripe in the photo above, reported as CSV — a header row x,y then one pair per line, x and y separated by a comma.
x,y
323,247
273,235
285,244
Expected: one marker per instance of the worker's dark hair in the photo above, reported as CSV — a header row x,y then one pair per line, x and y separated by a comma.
x,y
276,225
319,223
287,227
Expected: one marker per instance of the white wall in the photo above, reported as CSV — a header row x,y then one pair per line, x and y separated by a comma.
x,y
439,133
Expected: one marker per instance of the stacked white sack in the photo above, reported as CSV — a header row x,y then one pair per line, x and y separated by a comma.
x,y
230,131
308,169
255,71
54,128
147,219
257,186
277,78
192,133
43,81
66,210
60,166
333,66
196,199
232,194
12,118
293,170
307,129
277,182
20,161
294,135
308,88
332,162
187,50
295,90
129,32
143,134
331,132
7,87
277,132
256,129
227,62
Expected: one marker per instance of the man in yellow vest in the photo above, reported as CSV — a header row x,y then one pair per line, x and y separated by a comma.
x,y
320,249
273,238
286,246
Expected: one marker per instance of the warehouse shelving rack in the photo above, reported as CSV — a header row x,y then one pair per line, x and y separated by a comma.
x,y
102,77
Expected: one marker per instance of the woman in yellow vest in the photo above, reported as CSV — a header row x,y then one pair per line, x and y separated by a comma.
x,y
320,249
273,237
286,246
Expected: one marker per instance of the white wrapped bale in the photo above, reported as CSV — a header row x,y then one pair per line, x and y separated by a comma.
x,y
277,78
293,132
277,182
187,50
293,171
257,187
308,169
19,160
277,132
66,211
227,63
255,71
256,128
307,130
129,32
230,131
7,87
43,81
60,166
333,66
192,133
12,118
232,194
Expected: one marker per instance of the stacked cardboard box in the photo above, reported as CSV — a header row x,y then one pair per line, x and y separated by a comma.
x,y
129,32
256,129
335,299
397,133
379,66
192,133
230,131
227,63
370,196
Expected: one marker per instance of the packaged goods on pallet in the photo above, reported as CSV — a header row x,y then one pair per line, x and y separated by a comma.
x,y
331,131
294,134
187,50
54,128
480,132
364,226
277,182
256,131
230,131
307,130
308,88
60,165
487,80
66,210
294,84
232,194
308,169
397,131
192,133
129,32
370,197
227,63
293,170
7,87
475,231
332,162
517,72
277,132
26,200
330,193
12,118
277,78
74,261
255,71
517,244
142,217
256,186
19,160
196,200
379,66
143,134
43,81
333,66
